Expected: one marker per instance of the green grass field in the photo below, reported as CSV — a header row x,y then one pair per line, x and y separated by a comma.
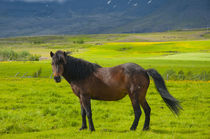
x,y
40,108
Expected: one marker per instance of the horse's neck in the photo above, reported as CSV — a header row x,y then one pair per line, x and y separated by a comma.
x,y
77,69
66,72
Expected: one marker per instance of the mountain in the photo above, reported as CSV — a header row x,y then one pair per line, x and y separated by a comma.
x,y
52,17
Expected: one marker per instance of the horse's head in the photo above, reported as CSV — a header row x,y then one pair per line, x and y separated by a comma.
x,y
58,62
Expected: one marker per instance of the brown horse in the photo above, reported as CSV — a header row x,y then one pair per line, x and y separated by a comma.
x,y
91,81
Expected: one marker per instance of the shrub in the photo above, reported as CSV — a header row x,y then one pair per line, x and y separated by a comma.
x,y
204,75
24,54
180,75
189,75
38,42
79,41
124,48
34,58
7,55
170,75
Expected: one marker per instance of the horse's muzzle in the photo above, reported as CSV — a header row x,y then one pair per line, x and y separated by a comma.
x,y
57,79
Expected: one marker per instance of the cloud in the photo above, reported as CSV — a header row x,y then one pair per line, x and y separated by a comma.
x,y
59,1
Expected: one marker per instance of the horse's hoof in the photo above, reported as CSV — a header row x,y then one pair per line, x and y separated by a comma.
x,y
82,128
145,129
132,128
92,129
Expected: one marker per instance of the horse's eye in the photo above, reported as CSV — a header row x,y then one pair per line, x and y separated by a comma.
x,y
61,61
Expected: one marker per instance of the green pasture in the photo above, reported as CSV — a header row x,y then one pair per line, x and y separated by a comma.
x,y
37,107
40,108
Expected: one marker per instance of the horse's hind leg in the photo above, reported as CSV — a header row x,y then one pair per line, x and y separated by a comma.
x,y
147,110
142,100
136,107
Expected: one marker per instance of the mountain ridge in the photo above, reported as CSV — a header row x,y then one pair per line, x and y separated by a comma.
x,y
18,18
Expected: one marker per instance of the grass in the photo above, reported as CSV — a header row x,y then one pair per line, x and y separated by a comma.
x,y
41,108
37,107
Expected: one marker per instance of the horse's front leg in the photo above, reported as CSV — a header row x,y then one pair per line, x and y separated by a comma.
x,y
87,106
83,113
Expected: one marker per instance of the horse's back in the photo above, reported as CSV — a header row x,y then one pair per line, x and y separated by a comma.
x,y
122,76
131,68
136,74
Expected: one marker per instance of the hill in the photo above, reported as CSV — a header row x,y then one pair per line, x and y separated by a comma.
x,y
44,17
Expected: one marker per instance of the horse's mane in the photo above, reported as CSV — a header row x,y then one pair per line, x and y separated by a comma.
x,y
78,69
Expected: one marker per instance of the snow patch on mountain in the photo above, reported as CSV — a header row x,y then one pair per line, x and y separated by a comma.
x,y
109,2
149,2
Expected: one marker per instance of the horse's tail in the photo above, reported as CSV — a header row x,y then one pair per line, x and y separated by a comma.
x,y
171,102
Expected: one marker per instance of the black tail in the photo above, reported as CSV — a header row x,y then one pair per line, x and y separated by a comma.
x,y
171,102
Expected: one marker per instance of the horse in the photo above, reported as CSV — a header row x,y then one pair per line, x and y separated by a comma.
x,y
91,81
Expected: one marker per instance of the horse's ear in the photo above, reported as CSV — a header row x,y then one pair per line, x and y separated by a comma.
x,y
64,58
51,54
66,53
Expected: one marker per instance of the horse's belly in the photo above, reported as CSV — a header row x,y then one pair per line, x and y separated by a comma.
x,y
109,94
108,85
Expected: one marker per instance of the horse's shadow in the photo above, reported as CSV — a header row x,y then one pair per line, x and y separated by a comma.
x,y
162,131
159,131
116,131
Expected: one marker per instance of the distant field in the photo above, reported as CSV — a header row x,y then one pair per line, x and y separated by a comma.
x,y
37,107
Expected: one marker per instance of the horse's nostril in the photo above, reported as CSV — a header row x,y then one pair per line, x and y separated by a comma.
x,y
57,78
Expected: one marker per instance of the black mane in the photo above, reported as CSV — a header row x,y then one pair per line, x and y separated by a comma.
x,y
77,69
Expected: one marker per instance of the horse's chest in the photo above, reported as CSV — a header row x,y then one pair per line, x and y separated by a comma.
x,y
76,89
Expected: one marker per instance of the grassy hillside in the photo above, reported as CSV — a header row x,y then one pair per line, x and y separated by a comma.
x,y
186,51
37,107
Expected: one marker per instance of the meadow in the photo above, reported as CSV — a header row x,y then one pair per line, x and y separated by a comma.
x,y
37,107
